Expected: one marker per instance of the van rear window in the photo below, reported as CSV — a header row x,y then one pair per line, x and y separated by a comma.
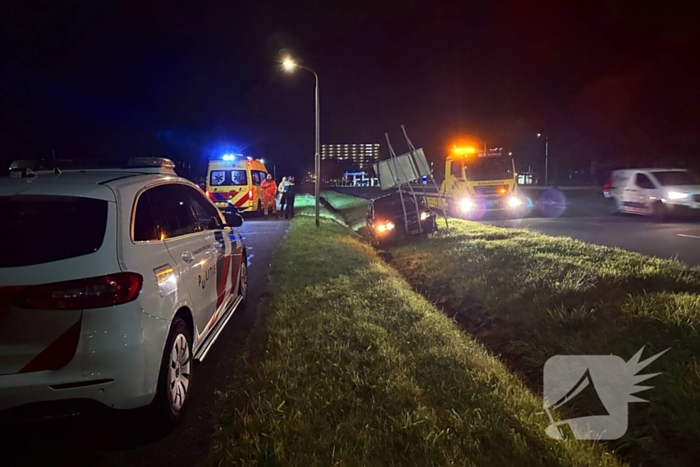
x,y
228,177
39,229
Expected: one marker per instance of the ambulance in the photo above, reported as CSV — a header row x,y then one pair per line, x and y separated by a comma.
x,y
234,179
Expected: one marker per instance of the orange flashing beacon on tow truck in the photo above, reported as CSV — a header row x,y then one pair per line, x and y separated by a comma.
x,y
479,182
234,179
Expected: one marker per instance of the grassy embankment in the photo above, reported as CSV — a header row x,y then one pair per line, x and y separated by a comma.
x,y
349,366
529,297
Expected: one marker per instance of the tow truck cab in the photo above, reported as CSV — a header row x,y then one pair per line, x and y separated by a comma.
x,y
479,182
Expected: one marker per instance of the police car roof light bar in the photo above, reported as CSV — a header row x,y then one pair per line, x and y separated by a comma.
x,y
33,167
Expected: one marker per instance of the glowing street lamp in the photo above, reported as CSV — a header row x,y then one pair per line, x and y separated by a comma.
x,y
290,65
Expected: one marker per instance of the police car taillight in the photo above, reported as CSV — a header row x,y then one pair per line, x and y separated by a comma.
x,y
94,292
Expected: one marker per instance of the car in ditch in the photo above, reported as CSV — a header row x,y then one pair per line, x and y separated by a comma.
x,y
396,216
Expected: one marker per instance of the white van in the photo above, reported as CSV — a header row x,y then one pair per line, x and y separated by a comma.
x,y
654,192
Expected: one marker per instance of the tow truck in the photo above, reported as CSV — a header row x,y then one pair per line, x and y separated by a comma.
x,y
479,182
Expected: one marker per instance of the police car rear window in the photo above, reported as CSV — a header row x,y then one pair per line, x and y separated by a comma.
x,y
38,229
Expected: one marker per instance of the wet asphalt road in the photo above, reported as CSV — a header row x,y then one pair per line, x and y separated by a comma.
x,y
116,439
679,240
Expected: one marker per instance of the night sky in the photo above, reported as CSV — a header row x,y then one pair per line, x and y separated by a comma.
x,y
618,83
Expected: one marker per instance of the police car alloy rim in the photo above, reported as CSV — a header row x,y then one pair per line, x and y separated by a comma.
x,y
244,280
180,371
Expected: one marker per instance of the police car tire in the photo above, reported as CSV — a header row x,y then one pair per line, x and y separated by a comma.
x,y
166,417
243,290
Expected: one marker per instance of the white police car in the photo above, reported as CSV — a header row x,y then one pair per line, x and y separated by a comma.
x,y
112,281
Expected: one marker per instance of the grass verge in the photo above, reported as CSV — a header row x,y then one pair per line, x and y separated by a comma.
x,y
529,297
357,369
350,208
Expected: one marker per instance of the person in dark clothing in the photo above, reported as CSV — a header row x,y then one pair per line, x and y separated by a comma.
x,y
289,195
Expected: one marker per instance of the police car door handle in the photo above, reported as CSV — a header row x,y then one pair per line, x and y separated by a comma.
x,y
187,256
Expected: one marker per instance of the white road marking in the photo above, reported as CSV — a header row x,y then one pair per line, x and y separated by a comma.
x,y
689,236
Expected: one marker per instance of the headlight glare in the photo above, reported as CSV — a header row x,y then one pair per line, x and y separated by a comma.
x,y
466,205
675,195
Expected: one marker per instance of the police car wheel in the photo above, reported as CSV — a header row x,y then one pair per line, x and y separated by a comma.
x,y
243,281
175,377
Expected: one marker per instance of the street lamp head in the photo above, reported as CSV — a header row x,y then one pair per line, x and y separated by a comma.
x,y
288,64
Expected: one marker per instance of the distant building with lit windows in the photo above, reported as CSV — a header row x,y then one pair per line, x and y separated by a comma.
x,y
355,156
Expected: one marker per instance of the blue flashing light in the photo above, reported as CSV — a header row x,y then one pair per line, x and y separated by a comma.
x,y
228,157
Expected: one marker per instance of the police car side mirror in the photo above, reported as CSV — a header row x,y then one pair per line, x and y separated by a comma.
x,y
233,219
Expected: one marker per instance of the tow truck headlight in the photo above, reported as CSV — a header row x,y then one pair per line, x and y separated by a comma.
x,y
424,215
675,195
514,202
466,205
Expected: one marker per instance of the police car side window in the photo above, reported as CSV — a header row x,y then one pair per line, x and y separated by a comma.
x,y
144,220
173,210
207,216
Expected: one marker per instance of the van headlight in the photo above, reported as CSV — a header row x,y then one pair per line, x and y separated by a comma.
x,y
676,195
466,205
514,202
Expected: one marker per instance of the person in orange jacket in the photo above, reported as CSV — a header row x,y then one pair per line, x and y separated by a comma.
x,y
269,191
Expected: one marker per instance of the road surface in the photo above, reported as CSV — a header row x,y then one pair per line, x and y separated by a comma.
x,y
116,440
679,240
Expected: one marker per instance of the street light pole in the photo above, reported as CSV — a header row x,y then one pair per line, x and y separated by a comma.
x,y
289,65
546,158
317,187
